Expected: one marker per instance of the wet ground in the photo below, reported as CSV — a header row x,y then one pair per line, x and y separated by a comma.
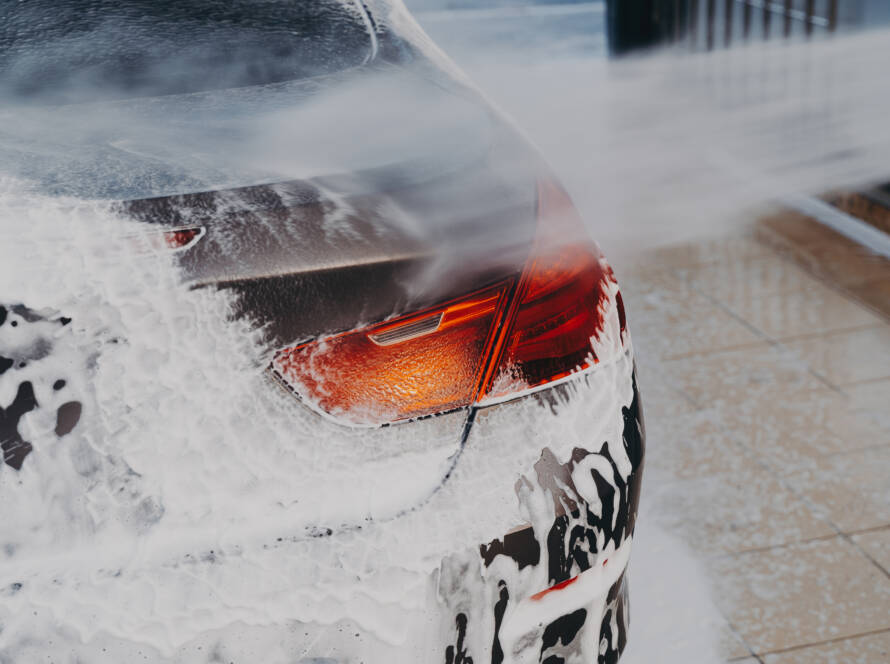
x,y
767,389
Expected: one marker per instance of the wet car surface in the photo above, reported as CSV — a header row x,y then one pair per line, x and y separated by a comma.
x,y
334,360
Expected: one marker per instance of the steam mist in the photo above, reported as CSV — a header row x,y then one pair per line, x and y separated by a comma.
x,y
665,146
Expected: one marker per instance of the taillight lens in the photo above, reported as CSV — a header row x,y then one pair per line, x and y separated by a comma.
x,y
182,238
172,240
560,303
493,344
418,365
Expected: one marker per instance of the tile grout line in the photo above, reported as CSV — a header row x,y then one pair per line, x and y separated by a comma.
x,y
785,545
757,459
865,381
838,532
866,554
775,343
830,333
712,351
816,513
780,344
866,531
874,632
741,639
771,547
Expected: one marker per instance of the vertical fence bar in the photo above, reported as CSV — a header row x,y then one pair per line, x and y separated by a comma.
x,y
712,10
808,20
787,26
832,15
728,11
767,15
693,23
678,30
746,20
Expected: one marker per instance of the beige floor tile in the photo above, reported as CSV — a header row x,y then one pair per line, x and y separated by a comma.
x,y
735,511
734,376
869,649
691,446
681,322
748,278
870,402
660,400
876,544
802,594
637,282
709,251
871,396
796,427
847,357
813,311
652,301
851,489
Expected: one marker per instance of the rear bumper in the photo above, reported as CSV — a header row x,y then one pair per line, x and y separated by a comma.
x,y
559,471
556,587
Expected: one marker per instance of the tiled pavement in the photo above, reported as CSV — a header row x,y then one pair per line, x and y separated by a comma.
x,y
765,364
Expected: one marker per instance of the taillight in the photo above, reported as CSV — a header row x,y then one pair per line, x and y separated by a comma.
x,y
182,238
496,343
177,239
418,365
559,306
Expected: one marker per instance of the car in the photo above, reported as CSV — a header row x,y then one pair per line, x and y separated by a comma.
x,y
305,352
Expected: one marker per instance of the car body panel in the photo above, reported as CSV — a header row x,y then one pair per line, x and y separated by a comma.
x,y
497,532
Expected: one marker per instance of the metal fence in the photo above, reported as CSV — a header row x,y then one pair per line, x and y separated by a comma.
x,y
709,24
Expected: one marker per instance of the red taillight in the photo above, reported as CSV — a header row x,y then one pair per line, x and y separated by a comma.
x,y
173,240
418,365
493,344
559,305
182,238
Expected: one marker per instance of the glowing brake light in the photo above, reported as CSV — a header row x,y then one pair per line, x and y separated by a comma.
x,y
418,365
512,337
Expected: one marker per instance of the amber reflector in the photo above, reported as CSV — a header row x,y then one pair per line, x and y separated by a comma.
x,y
417,365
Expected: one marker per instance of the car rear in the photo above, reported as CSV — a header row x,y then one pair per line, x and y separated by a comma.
x,y
445,347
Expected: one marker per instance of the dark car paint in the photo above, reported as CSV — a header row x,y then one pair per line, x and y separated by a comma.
x,y
274,248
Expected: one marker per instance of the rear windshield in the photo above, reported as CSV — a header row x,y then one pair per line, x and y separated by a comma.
x,y
83,50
